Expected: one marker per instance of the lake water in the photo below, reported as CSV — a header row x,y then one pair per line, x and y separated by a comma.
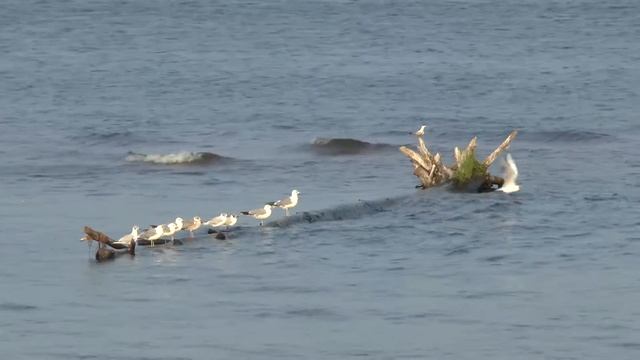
x,y
91,91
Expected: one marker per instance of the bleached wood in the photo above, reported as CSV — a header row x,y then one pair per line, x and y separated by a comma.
x,y
505,145
432,172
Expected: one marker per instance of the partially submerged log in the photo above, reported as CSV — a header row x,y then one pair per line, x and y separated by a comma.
x,y
467,173
145,242
103,253
108,249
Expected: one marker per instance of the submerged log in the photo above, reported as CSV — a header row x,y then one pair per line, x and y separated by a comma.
x,y
145,242
108,249
103,254
466,173
97,236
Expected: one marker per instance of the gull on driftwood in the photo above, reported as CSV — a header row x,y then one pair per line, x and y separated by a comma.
x,y
179,222
259,214
170,230
230,221
192,225
133,236
154,234
217,221
288,202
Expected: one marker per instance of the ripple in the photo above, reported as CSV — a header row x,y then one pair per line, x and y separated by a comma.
x,y
602,197
287,289
496,258
320,313
10,306
628,345
459,251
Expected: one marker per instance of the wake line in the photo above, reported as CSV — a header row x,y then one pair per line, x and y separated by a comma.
x,y
341,212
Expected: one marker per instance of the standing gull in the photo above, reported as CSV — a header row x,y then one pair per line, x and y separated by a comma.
x,y
217,221
133,236
230,221
259,214
179,222
510,176
288,202
154,234
192,225
170,230
420,132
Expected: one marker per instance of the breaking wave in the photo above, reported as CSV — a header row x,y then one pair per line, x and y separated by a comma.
x,y
346,146
179,158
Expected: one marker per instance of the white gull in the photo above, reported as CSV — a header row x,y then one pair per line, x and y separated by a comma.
x,y
288,202
510,176
259,214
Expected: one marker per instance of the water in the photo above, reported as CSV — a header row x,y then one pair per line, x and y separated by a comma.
x,y
383,271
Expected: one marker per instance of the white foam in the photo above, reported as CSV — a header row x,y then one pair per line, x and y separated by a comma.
x,y
183,157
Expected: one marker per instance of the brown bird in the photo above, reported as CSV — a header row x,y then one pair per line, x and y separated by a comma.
x,y
192,225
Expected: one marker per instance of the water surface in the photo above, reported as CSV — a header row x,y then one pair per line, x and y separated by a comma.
x,y
383,271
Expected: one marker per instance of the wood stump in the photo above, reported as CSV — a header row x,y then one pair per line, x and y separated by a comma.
x,y
466,174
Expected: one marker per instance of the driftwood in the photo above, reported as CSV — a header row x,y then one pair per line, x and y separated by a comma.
x,y
431,171
108,249
145,242
103,253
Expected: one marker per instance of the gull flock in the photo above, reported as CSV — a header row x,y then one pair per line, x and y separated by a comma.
x,y
164,231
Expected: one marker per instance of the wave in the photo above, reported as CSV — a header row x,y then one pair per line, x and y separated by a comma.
x,y
9,306
343,212
346,146
564,136
113,137
179,158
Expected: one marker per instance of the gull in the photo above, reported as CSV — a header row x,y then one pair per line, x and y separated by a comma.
x,y
179,224
170,231
420,132
155,233
147,232
288,202
510,177
230,221
191,226
259,214
217,221
133,236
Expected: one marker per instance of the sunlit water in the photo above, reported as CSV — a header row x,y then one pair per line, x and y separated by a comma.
x,y
93,92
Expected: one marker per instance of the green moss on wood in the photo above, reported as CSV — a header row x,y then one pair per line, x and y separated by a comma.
x,y
469,170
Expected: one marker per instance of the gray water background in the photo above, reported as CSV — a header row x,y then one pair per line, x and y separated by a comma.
x,y
550,272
